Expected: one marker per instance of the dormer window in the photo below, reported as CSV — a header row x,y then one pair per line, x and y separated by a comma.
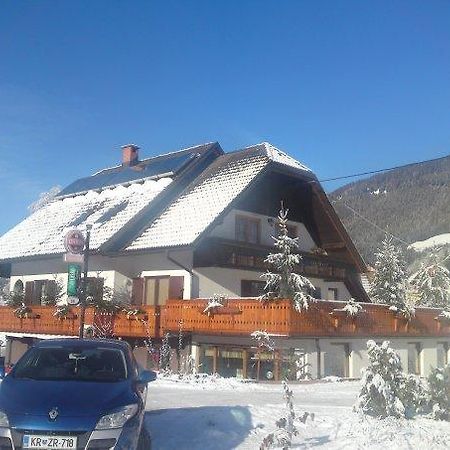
x,y
248,229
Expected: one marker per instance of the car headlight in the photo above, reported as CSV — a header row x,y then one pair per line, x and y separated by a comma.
x,y
4,423
117,419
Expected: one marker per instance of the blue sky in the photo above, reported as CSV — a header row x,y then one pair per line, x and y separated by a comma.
x,y
344,86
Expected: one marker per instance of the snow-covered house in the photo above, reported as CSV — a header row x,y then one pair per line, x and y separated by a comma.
x,y
187,225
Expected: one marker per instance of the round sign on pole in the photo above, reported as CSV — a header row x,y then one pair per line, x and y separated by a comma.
x,y
74,241
73,301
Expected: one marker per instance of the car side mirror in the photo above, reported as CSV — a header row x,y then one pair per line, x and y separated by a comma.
x,y
146,376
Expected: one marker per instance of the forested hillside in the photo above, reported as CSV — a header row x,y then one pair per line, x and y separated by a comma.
x,y
412,203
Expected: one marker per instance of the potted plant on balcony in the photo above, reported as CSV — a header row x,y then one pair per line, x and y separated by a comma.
x,y
16,300
63,312
135,314
52,295
214,303
350,310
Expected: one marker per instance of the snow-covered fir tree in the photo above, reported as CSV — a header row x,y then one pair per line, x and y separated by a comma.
x,y
432,282
284,282
439,392
381,383
389,282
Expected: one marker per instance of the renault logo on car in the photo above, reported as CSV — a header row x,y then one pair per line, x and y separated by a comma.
x,y
53,414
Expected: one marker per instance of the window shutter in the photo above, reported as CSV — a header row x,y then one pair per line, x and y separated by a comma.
x,y
176,285
29,289
137,293
50,290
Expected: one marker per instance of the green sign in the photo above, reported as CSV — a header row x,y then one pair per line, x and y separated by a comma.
x,y
74,271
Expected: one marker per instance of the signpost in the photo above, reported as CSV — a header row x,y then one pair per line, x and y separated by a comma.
x,y
77,251
73,278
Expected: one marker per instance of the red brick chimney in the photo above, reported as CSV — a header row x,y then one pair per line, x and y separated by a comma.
x,y
130,155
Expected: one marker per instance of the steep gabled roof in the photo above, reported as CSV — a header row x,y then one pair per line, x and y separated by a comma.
x,y
171,201
184,221
111,208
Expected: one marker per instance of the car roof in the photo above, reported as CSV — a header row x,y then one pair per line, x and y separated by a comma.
x,y
85,343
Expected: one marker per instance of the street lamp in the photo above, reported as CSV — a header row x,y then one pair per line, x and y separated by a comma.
x,y
85,279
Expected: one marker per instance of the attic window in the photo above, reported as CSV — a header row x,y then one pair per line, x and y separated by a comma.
x,y
108,215
82,217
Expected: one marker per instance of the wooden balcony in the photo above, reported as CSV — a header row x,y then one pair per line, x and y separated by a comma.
x,y
322,319
41,320
145,325
217,252
238,317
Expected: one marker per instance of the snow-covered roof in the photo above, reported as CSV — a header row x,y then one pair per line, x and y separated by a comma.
x,y
191,213
108,211
279,156
122,214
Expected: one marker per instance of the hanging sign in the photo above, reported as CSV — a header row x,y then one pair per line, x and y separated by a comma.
x,y
73,278
74,242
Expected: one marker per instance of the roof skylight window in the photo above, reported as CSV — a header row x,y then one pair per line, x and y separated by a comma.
x,y
82,217
108,215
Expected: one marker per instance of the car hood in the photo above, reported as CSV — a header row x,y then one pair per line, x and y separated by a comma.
x,y
71,398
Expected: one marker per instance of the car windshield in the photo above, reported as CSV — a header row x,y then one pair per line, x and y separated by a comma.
x,y
72,363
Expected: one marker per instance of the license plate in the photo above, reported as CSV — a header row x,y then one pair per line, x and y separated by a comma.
x,y
49,442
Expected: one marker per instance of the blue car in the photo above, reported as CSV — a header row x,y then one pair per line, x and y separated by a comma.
x,y
75,394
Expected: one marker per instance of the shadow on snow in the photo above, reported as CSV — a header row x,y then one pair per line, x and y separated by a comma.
x,y
201,428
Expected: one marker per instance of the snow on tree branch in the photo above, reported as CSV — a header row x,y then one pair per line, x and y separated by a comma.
x,y
389,282
284,282
352,308
432,283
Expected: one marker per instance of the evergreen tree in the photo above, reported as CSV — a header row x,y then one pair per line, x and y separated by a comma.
x,y
381,383
432,282
389,282
439,392
285,283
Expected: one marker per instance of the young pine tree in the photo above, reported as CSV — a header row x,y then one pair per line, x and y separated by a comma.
x,y
284,282
389,283
432,282
381,383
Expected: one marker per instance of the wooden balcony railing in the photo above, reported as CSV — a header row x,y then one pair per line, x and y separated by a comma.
x,y
216,252
323,318
141,325
41,320
237,317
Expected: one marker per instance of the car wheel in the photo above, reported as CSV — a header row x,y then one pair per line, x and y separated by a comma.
x,y
145,441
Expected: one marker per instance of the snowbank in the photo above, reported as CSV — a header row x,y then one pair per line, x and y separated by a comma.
x,y
434,241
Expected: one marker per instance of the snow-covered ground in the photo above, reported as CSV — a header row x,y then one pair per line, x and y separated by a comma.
x,y
228,414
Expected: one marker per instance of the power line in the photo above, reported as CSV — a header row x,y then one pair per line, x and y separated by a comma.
x,y
372,223
371,172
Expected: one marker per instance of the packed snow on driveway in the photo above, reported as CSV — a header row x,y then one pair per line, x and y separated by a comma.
x,y
226,414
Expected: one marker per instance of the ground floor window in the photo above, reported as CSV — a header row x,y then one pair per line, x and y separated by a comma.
x,y
261,366
442,354
414,354
249,363
337,361
230,363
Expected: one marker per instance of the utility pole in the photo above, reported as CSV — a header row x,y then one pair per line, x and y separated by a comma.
x,y
85,277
